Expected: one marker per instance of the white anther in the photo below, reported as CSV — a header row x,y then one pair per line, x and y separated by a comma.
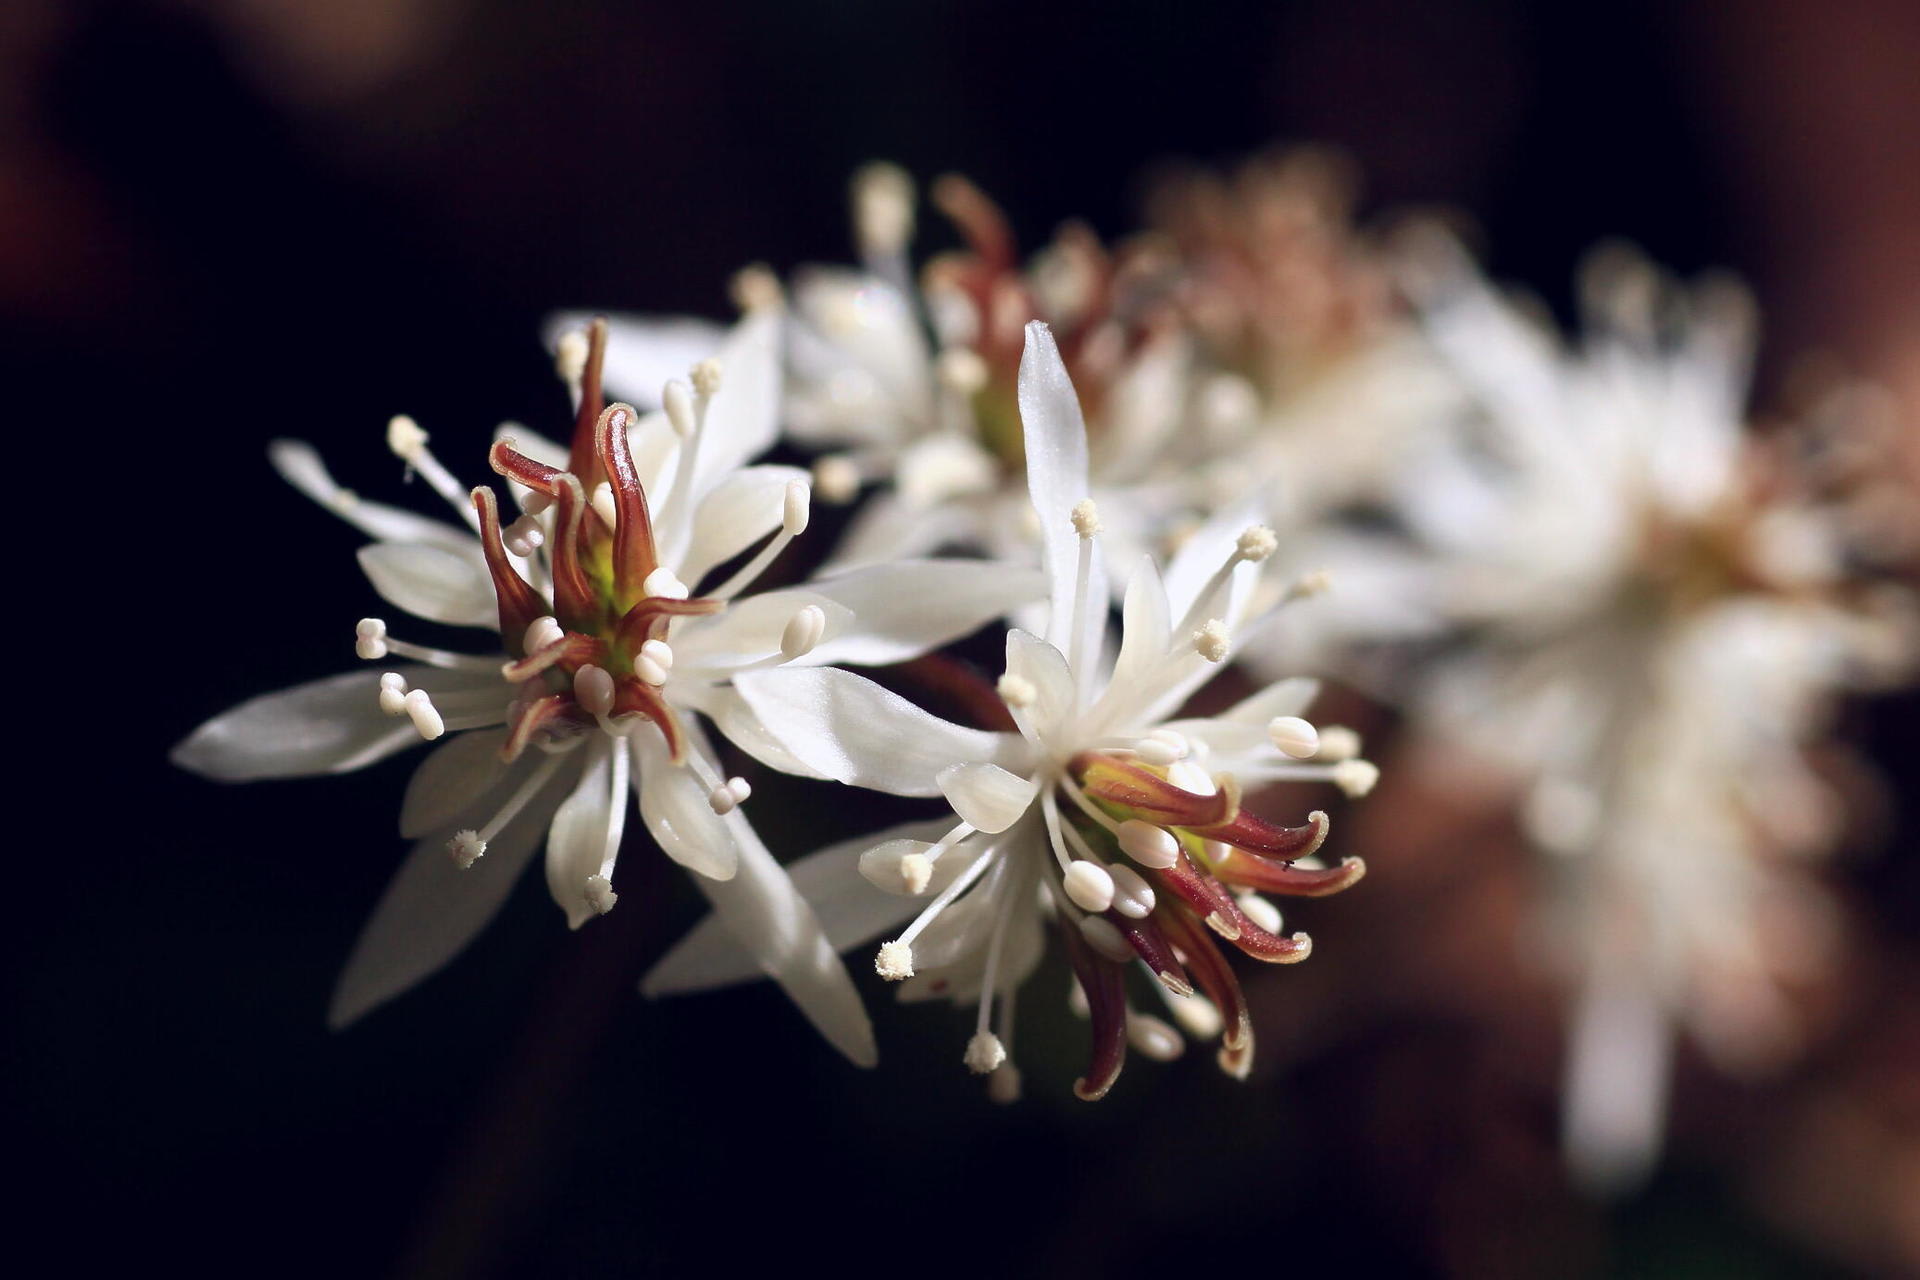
x,y
729,795
1337,743
985,1052
916,872
1210,641
678,401
536,503
1356,777
570,357
1260,911
1003,1086
600,895
602,502
706,378
659,653
649,671
465,848
593,690
1196,1015
1256,543
1077,1000
1104,938
962,370
1017,691
804,630
1088,885
1148,845
541,632
523,537
1086,518
1132,895
1293,736
799,505
1190,777
882,209
663,582
426,718
1312,584
405,437
393,693
894,961
837,479
1163,747
755,288
370,639
1153,1037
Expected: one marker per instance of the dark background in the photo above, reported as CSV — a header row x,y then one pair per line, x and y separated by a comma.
x,y
222,227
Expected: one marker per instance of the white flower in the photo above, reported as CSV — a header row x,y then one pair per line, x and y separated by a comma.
x,y
1091,808
1660,615
622,617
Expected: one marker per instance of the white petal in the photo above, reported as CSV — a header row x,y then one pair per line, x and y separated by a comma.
x,y
453,776
850,729
432,908
749,630
674,806
986,796
849,910
1144,634
1056,439
766,915
744,417
888,528
325,726
1289,697
300,466
909,607
643,352
1045,668
740,511
577,839
1240,732
730,713
433,582
1204,552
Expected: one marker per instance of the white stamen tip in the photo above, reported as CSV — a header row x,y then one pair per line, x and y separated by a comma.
x,y
1132,895
729,795
894,961
1017,691
663,582
1293,736
649,671
961,369
370,639
1088,885
1260,911
602,500
540,633
593,690
1256,543
1315,583
706,378
836,479
405,437
1356,777
523,537
804,630
570,357
1104,938
1086,518
1210,641
1190,777
1153,1037
1337,743
1196,1015
799,506
916,873
882,209
600,895
465,848
1148,845
756,288
985,1053
1163,747
678,401
420,709
393,693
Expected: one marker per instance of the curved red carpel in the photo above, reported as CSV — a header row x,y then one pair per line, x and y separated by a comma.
x,y
519,468
634,696
519,603
1104,983
1254,835
531,717
1206,896
574,604
980,223
1245,870
1215,978
571,652
1140,793
581,451
634,556
637,626
1151,945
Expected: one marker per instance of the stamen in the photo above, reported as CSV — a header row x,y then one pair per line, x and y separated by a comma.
x,y
803,632
372,642
793,521
755,288
894,961
961,370
542,632
467,846
524,536
1255,544
393,693
916,873
1210,641
1260,911
419,708
570,359
1153,1037
1162,747
1086,518
1086,523
1017,691
1088,885
1132,895
1318,582
706,378
836,478
600,895
664,583
1337,743
729,795
409,443
797,509
1148,845
370,639
984,1053
678,400
882,212
593,690
658,652
1356,777
1293,736
1104,938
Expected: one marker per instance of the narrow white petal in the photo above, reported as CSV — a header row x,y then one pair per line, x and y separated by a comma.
x,y
744,417
750,629
890,528
986,796
300,466
906,608
433,582
1289,697
850,729
739,511
432,908
1204,552
453,776
1045,668
577,838
673,803
730,713
1056,440
1146,624
643,352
